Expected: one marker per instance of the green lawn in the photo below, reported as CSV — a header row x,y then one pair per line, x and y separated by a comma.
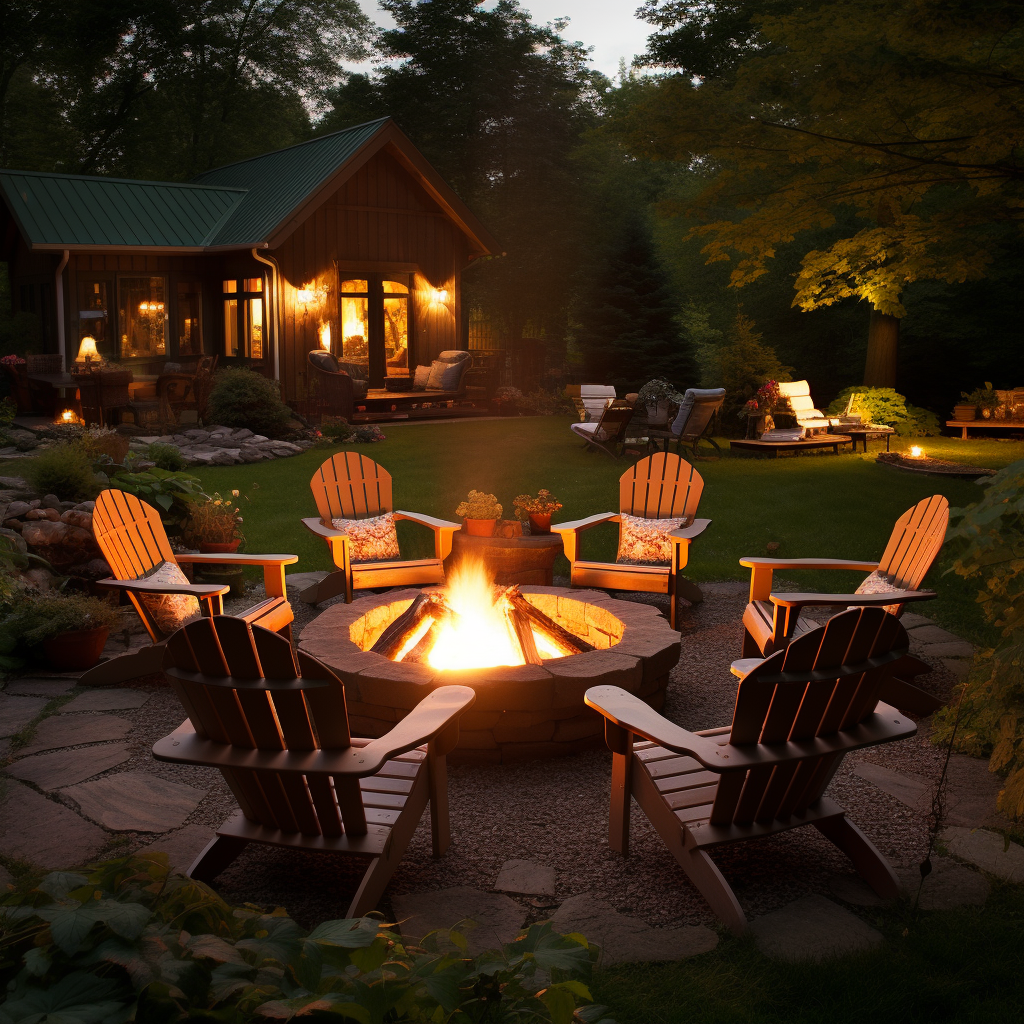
x,y
812,505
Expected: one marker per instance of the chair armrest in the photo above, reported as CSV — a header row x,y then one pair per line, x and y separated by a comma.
x,y
687,533
807,563
316,525
860,600
744,666
443,530
585,524
435,713
236,559
200,590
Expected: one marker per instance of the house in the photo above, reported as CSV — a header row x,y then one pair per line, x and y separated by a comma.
x,y
350,241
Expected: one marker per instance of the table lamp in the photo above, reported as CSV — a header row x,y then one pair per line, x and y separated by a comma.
x,y
87,351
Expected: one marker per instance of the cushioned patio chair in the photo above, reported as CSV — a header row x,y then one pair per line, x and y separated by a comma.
x,y
279,733
608,429
652,553
797,394
797,715
694,420
353,496
332,390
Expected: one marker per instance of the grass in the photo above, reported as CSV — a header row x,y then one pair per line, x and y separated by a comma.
x,y
962,966
811,505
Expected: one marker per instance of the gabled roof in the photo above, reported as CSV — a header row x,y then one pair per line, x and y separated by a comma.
x,y
255,203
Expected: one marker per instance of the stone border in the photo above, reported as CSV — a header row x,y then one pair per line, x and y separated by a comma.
x,y
521,711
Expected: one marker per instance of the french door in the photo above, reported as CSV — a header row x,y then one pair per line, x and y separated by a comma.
x,y
374,314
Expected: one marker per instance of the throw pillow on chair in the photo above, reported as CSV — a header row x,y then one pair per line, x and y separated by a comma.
x,y
373,540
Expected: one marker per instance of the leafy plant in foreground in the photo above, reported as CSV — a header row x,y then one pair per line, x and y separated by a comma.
x,y
127,940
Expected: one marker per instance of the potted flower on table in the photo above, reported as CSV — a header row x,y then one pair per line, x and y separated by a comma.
x,y
537,509
657,395
479,513
214,526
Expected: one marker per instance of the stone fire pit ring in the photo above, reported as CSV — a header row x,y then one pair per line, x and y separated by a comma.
x,y
521,711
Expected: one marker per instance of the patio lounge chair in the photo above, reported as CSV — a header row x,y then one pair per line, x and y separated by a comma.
x,y
694,420
801,405
350,486
608,429
333,391
797,714
279,733
132,539
662,486
772,620
590,399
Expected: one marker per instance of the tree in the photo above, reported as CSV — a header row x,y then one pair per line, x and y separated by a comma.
x,y
629,332
906,112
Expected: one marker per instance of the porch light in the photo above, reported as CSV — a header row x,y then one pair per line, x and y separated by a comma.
x,y
439,295
325,337
87,350
304,296
916,451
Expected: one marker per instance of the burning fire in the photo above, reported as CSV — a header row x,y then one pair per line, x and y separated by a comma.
x,y
474,625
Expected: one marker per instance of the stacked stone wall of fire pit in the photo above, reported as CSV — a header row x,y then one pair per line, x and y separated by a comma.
x,y
521,711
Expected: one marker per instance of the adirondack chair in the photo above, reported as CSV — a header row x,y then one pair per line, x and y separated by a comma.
x,y
797,714
608,429
131,537
351,486
772,620
279,733
662,486
693,421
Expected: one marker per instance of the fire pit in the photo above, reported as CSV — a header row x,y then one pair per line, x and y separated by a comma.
x,y
517,647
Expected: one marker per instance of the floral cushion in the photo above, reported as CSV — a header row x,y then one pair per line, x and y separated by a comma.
x,y
645,541
880,583
373,540
169,611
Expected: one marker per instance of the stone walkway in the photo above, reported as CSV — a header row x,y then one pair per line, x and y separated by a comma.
x,y
79,783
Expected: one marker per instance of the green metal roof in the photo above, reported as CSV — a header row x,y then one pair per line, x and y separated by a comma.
x,y
277,183
74,210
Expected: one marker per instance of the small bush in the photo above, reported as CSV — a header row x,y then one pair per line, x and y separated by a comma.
x,y
745,363
169,492
64,470
887,406
242,398
100,442
166,456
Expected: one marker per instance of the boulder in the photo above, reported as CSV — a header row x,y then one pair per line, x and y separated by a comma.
x,y
39,514
258,439
197,434
75,518
51,501
225,457
85,506
242,433
18,508
15,538
252,454
13,524
41,579
61,544
96,569
15,483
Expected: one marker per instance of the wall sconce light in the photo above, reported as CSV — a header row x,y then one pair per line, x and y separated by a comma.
x,y
305,295
68,416
87,351
325,336
439,296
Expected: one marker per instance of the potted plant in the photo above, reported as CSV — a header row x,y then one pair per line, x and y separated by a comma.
x,y
759,409
657,394
214,525
508,400
985,399
537,509
480,512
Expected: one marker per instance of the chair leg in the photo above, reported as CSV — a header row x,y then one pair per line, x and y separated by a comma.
x,y
870,864
622,797
374,882
217,855
711,883
690,591
142,662
440,825
331,585
750,648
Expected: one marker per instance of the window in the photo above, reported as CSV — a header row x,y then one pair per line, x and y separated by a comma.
x,y
189,320
142,310
244,318
355,321
396,325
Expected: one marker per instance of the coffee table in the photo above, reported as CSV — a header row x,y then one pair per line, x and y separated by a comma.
x,y
773,448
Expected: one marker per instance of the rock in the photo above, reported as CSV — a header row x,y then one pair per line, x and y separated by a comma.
x,y
252,454
225,457
986,850
60,731
51,501
76,518
932,634
44,832
285,446
16,539
60,768
196,434
498,919
14,525
44,533
853,889
182,847
948,886
258,439
911,619
61,544
34,503
85,506
94,569
66,506
18,508
48,688
136,802
626,939
954,649
913,790
17,712
241,433
145,441
38,514
15,483
117,699
40,579
526,876
812,928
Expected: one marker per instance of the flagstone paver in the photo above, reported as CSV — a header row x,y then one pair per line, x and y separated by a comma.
x,y
626,939
988,850
952,649
136,802
853,889
74,730
17,712
912,619
40,687
949,885
812,928
60,768
497,918
932,634
44,832
913,790
182,846
118,699
527,877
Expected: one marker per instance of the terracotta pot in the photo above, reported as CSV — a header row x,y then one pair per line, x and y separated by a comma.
x,y
540,522
218,547
75,650
963,412
479,527
986,414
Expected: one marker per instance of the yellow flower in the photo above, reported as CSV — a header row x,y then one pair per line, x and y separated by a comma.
x,y
217,502
234,494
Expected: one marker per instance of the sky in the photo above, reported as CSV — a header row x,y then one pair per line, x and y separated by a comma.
x,y
609,26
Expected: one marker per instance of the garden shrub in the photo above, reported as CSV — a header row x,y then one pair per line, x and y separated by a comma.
x,y
243,398
744,364
127,940
343,432
989,538
887,406
166,456
35,619
170,492
64,470
101,441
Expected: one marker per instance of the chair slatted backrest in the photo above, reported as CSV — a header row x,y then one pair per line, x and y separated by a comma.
x,y
351,486
825,681
915,541
703,411
662,486
130,534
614,420
240,685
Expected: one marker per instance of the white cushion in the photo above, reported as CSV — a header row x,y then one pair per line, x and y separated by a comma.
x,y
169,611
437,371
589,431
794,388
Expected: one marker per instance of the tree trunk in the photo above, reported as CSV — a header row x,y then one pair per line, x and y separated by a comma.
x,y
883,337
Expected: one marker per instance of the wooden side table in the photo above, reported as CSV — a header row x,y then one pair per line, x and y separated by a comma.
x,y
863,433
523,560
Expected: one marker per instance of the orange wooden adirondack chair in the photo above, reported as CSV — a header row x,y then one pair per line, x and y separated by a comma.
x,y
131,536
798,713
279,733
351,486
662,486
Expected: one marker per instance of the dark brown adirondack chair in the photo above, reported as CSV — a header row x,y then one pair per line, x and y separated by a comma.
x,y
662,486
351,486
131,536
771,620
279,733
798,713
